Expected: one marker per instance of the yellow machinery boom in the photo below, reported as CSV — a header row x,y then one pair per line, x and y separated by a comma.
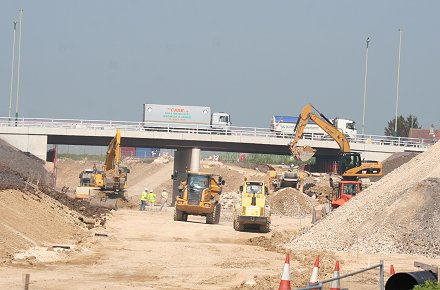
x,y
350,163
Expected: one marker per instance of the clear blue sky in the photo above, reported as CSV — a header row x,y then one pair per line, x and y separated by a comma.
x,y
103,59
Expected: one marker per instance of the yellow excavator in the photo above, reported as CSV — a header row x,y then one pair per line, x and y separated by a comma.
x,y
350,164
112,177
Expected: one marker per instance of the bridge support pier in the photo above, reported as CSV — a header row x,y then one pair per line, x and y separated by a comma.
x,y
184,159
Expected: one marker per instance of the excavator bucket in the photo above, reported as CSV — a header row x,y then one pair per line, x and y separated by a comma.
x,y
304,153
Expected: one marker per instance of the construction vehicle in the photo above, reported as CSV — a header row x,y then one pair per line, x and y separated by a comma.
x,y
111,179
346,189
199,194
253,211
281,176
350,165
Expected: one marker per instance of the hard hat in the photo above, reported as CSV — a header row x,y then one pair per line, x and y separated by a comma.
x,y
146,189
151,190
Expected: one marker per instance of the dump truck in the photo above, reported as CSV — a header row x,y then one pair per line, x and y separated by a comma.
x,y
253,210
158,116
281,176
199,194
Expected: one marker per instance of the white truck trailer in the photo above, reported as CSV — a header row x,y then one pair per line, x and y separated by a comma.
x,y
184,117
285,125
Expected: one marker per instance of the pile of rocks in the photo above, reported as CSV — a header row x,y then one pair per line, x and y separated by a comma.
x,y
291,202
397,214
229,199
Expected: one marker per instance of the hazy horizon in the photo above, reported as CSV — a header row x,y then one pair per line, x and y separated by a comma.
x,y
252,59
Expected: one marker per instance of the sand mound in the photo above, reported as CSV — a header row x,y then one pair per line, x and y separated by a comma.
x,y
291,202
398,214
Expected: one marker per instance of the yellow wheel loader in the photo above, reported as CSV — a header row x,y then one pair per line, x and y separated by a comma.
x,y
199,194
253,211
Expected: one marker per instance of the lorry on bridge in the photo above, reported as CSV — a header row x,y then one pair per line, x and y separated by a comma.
x,y
184,117
285,125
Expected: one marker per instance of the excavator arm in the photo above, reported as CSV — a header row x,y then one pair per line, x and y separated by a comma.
x,y
113,156
324,123
350,164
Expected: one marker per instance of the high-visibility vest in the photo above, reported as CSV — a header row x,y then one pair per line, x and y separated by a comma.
x,y
164,194
152,197
143,195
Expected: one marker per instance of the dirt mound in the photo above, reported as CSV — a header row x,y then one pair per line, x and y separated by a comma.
x,y
397,214
17,167
28,220
291,202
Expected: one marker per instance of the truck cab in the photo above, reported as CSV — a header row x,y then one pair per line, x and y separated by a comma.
x,y
348,127
221,121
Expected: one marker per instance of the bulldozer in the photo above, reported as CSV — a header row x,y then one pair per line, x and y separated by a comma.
x,y
253,210
110,181
199,194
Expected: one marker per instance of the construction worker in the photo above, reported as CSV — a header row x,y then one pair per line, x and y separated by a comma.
x,y
143,199
164,198
151,199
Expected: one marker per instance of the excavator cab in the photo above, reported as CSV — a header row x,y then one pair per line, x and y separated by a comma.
x,y
348,161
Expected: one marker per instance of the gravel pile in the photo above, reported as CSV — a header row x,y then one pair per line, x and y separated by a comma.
x,y
229,199
291,202
398,214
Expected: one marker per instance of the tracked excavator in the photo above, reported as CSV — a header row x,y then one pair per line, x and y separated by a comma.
x,y
111,180
351,167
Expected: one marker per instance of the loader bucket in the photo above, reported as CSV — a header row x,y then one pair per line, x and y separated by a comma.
x,y
304,153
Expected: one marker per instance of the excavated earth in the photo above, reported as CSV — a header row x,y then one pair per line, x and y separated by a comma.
x,y
33,216
397,214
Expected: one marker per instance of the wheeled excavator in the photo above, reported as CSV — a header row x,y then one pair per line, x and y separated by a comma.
x,y
351,167
111,179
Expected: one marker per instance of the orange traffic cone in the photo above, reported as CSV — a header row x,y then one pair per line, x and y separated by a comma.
x,y
392,272
285,278
315,272
336,285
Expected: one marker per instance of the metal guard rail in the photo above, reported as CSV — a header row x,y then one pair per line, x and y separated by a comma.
x,y
203,129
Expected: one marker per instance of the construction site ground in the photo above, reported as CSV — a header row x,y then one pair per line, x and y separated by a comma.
x,y
76,247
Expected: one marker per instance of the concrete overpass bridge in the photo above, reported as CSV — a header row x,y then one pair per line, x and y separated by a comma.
x,y
33,135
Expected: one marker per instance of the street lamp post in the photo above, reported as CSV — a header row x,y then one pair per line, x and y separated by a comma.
x,y
398,80
12,71
18,65
365,85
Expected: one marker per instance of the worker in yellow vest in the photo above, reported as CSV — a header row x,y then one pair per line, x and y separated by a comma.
x,y
143,199
152,199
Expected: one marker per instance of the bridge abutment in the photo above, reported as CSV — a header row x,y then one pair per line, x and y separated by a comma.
x,y
33,144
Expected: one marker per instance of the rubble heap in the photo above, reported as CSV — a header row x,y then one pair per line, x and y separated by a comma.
x,y
397,214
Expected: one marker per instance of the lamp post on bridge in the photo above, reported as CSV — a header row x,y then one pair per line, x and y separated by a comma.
x,y
365,85
398,80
